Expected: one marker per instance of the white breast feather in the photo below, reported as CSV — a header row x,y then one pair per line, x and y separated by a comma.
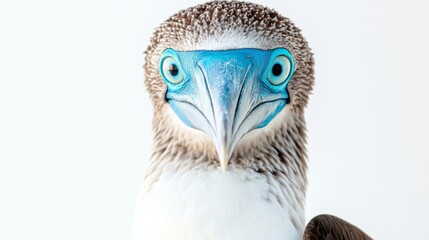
x,y
209,204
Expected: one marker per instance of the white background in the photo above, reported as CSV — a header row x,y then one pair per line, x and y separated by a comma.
x,y
75,119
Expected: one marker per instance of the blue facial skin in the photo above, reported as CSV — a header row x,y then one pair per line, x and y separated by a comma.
x,y
227,88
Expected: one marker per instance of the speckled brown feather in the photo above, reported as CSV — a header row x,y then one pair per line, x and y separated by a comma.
x,y
193,25
328,227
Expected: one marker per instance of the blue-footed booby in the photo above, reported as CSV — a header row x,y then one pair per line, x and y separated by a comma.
x,y
229,82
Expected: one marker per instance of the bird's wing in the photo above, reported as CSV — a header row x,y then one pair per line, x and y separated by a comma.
x,y
328,227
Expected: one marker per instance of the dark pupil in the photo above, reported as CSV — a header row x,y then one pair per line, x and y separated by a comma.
x,y
173,70
277,69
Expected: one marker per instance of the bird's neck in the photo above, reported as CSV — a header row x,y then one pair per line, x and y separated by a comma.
x,y
276,154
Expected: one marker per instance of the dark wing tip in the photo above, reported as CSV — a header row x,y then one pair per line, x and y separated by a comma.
x,y
328,227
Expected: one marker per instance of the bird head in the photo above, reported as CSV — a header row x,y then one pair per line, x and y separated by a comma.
x,y
223,72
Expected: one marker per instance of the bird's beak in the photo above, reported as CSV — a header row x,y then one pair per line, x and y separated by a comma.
x,y
226,99
224,80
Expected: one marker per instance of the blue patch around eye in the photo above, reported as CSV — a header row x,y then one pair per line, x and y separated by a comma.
x,y
213,66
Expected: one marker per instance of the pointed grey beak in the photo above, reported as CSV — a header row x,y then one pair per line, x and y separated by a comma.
x,y
223,81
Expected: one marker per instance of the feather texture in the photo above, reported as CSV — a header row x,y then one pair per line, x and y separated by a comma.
x,y
328,227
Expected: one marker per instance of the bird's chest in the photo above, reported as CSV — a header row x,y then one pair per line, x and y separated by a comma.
x,y
209,204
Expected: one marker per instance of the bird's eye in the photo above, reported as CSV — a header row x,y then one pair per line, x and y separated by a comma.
x,y
171,71
280,70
